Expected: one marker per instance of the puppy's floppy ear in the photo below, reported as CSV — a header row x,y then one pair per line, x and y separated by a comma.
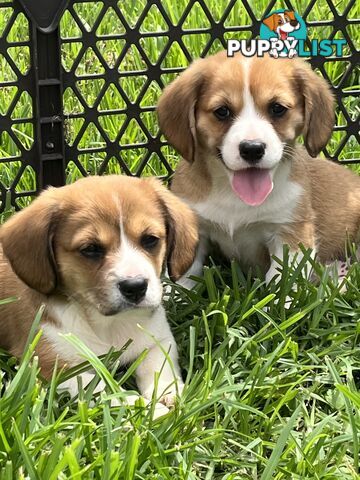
x,y
26,240
270,22
176,110
182,231
319,115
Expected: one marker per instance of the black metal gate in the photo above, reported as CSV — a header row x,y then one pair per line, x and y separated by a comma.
x,y
78,96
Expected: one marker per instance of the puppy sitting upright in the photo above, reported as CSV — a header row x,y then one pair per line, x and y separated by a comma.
x,y
92,252
235,122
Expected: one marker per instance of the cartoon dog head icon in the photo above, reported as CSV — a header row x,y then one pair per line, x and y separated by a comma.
x,y
282,23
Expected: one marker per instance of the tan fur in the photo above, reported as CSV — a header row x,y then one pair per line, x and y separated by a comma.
x,y
183,235
40,259
330,207
272,21
37,224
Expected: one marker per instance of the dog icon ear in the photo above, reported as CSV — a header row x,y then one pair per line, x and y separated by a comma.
x,y
270,22
290,14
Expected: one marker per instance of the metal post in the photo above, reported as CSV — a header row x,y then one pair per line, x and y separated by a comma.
x,y
48,115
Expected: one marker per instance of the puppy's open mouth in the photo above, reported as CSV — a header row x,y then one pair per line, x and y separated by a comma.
x,y
252,185
283,34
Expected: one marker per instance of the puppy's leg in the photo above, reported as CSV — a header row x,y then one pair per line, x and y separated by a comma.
x,y
162,357
338,271
196,268
71,385
300,233
295,256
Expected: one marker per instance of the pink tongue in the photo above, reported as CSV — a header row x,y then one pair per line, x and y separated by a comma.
x,y
252,185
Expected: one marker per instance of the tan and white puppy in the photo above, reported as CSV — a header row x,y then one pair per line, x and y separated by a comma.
x,y
235,122
93,252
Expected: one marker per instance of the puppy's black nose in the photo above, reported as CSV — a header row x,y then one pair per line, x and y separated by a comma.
x,y
293,23
252,151
133,289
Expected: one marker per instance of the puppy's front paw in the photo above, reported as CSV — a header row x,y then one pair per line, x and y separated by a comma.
x,y
166,394
338,271
72,384
187,283
168,400
169,397
159,410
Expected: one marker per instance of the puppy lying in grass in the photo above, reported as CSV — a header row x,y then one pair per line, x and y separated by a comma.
x,y
93,252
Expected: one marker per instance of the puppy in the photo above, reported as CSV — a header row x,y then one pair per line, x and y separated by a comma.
x,y
282,24
93,252
235,122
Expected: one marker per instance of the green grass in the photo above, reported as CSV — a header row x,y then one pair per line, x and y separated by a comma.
x,y
270,393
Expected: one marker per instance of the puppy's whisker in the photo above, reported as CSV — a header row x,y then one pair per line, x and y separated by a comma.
x,y
290,149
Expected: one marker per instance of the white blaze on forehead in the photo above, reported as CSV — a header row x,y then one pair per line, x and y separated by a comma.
x,y
131,262
249,111
117,202
250,124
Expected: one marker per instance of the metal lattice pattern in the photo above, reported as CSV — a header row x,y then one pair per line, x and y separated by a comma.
x,y
116,58
18,163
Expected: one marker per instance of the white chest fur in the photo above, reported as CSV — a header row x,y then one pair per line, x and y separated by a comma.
x,y
100,333
240,229
148,330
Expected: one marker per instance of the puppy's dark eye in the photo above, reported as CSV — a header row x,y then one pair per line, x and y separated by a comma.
x,y
277,110
222,113
94,251
149,242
